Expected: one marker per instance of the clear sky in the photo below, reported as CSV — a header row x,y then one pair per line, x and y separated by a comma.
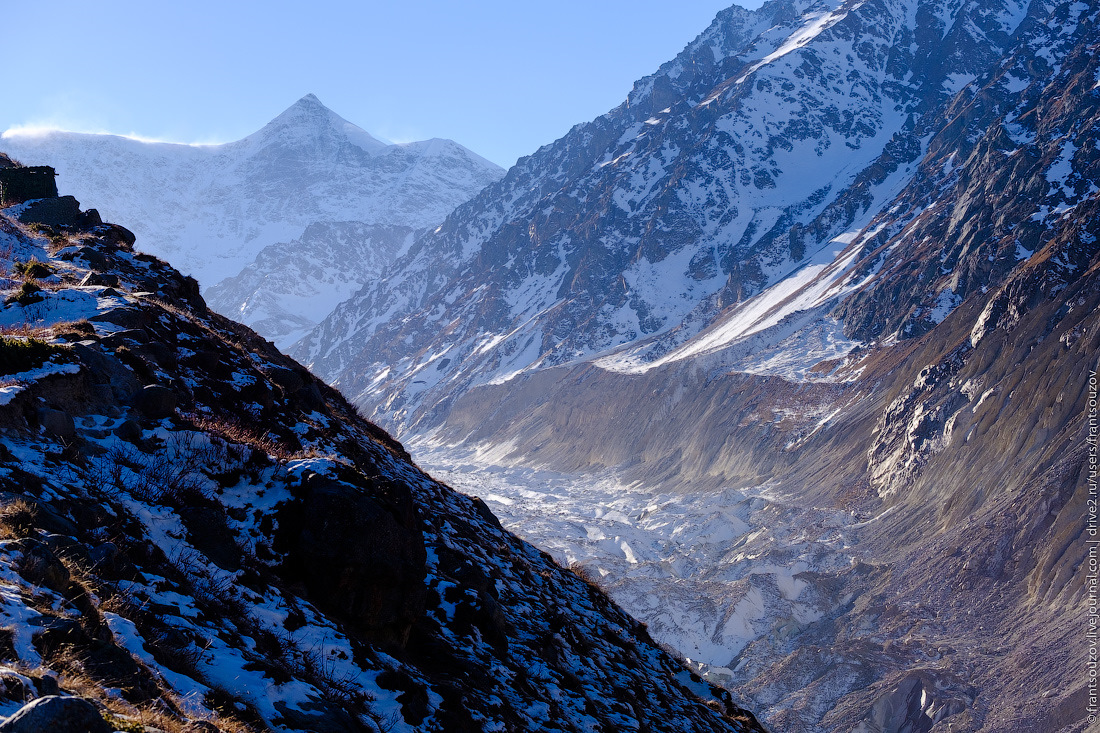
x,y
499,76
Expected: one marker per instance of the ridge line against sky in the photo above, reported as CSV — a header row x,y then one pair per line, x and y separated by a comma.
x,y
501,78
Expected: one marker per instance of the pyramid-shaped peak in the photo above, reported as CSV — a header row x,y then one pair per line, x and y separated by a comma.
x,y
309,117
308,107
309,100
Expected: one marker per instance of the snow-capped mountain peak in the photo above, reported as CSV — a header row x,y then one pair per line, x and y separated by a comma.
x,y
248,212
309,121
772,136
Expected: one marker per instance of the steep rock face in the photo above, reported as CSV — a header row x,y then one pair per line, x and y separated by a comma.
x,y
261,555
970,216
213,209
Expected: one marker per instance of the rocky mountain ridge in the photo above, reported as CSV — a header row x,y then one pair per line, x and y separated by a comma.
x,y
796,124
227,212
199,535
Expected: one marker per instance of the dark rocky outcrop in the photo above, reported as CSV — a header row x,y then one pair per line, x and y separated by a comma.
x,y
356,546
57,715
59,211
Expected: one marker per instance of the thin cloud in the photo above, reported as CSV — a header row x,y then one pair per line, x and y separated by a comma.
x,y
41,130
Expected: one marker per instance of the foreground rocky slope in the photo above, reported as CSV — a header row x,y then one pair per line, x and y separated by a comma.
x,y
343,200
794,349
197,534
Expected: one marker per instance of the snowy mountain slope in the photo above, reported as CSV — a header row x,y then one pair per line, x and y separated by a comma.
x,y
796,124
213,208
198,535
975,218
291,286
841,461
930,514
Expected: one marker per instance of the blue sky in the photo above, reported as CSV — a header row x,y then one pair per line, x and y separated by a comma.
x,y
500,77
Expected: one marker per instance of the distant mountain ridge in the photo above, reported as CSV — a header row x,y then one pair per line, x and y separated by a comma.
x,y
212,209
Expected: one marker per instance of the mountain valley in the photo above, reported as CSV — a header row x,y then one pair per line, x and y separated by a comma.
x,y
791,354
198,535
792,349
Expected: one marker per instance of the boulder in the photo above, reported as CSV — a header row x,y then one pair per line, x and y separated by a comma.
x,y
106,370
89,219
63,211
14,686
40,566
56,714
155,401
56,423
119,236
128,430
105,279
102,554
46,685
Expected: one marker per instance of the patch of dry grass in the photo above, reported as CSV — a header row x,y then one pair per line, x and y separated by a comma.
x,y
170,713
17,519
236,432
